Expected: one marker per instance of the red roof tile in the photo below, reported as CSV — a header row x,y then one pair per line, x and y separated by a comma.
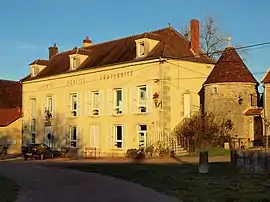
x,y
172,44
230,68
266,78
10,94
40,62
253,111
7,116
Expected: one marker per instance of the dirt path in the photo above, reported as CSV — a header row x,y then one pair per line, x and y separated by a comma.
x,y
41,183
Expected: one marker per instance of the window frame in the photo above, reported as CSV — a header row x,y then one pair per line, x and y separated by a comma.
x,y
145,134
92,106
116,141
72,108
70,136
117,108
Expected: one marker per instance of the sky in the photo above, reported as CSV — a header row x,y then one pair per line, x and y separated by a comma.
x,y
29,27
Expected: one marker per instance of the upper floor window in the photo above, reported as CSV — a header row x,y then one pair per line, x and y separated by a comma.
x,y
35,70
142,98
187,104
74,62
95,103
141,49
118,101
33,107
49,104
74,104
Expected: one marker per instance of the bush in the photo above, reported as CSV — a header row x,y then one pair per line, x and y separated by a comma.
x,y
161,150
149,151
135,154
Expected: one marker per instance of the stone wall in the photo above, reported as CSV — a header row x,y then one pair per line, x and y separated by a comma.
x,y
222,99
251,161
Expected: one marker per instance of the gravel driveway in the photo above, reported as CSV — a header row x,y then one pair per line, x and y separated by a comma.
x,y
39,183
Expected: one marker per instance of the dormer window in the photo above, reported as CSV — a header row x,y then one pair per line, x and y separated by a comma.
x,y
144,46
35,70
74,63
141,49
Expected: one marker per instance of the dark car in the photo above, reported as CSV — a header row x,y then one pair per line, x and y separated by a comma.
x,y
36,151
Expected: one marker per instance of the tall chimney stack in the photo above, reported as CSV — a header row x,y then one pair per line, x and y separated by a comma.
x,y
53,51
195,36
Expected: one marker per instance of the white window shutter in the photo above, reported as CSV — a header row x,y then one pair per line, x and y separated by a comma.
x,y
67,136
110,137
133,100
68,105
149,101
102,102
110,101
187,105
92,136
79,137
97,137
54,107
44,104
79,104
124,100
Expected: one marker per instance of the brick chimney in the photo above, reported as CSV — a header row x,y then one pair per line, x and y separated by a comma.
x,y
53,51
87,42
195,36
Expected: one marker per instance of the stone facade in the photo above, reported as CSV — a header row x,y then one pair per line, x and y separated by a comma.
x,y
223,99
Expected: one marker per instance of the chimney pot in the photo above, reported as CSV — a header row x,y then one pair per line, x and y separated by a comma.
x,y
87,42
195,36
53,51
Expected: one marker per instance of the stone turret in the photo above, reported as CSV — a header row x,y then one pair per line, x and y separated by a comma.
x,y
231,90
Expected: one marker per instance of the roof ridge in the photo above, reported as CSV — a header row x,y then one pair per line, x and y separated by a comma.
x,y
127,37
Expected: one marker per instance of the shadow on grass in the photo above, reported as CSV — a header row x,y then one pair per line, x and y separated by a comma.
x,y
183,180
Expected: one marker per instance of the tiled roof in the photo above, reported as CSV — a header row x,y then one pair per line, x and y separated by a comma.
x,y
7,116
10,94
253,111
266,78
172,44
230,68
40,62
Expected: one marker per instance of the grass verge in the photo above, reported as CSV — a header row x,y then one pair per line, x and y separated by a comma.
x,y
183,181
8,189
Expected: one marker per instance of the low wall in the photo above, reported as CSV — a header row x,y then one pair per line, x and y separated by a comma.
x,y
251,161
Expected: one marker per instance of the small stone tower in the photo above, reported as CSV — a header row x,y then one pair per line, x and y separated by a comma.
x,y
231,91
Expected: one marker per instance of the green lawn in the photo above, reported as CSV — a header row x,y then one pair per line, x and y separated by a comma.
x,y
184,182
212,152
8,190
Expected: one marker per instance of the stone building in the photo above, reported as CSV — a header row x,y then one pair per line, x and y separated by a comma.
x,y
10,115
115,95
231,91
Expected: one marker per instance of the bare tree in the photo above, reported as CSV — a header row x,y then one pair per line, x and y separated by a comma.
x,y
205,129
212,41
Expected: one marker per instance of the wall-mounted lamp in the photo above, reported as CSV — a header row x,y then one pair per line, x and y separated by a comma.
x,y
240,100
157,101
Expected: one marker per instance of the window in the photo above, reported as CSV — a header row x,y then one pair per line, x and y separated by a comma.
x,y
142,98
33,107
33,125
49,104
187,104
74,62
118,134
141,49
35,70
95,96
73,136
74,104
142,129
118,100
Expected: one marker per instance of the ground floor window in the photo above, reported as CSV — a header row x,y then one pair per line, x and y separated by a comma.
x,y
118,135
142,130
73,136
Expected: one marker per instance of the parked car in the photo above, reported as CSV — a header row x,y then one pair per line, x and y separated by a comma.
x,y
37,151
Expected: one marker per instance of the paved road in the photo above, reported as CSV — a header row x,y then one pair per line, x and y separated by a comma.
x,y
40,183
